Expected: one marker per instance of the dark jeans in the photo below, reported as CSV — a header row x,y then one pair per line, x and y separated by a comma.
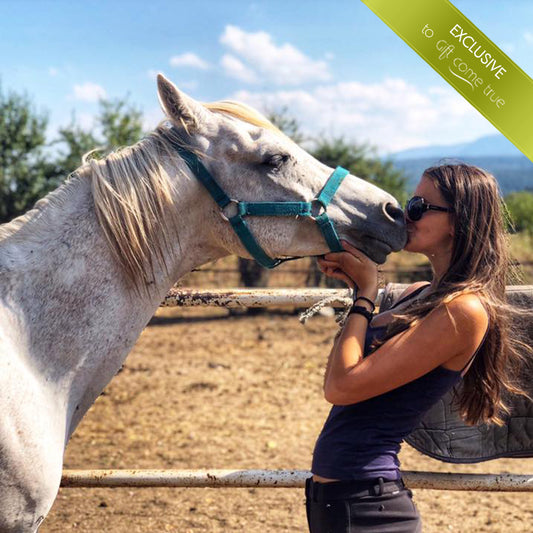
x,y
373,506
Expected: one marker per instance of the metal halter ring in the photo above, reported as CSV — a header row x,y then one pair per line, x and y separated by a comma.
x,y
322,209
233,210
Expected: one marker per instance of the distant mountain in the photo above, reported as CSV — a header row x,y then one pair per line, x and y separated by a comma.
x,y
512,169
490,145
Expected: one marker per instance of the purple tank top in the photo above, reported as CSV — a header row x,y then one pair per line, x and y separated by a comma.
x,y
362,440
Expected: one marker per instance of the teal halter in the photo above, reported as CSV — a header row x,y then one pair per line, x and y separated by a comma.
x,y
234,210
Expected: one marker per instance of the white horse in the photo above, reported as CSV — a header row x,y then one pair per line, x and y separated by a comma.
x,y
83,272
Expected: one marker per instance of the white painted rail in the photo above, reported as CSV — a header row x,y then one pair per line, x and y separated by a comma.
x,y
255,297
282,479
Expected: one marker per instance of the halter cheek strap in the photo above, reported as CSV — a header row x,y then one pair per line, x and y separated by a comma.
x,y
324,198
234,210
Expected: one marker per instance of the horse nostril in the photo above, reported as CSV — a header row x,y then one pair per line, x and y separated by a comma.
x,y
393,212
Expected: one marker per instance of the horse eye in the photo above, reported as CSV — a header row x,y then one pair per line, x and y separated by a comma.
x,y
275,160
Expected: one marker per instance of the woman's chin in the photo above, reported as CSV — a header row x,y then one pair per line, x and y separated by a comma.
x,y
410,246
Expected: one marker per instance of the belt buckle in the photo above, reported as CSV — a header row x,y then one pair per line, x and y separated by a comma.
x,y
399,484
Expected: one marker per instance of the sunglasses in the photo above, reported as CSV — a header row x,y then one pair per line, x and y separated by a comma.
x,y
417,206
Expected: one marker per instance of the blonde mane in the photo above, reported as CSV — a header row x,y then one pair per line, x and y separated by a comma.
x,y
242,112
133,195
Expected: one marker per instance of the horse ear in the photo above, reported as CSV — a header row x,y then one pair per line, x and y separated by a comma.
x,y
179,107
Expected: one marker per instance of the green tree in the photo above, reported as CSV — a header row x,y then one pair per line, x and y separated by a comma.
x,y
25,173
520,206
286,123
77,142
120,124
28,171
362,161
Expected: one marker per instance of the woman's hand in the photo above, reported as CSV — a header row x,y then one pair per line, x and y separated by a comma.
x,y
353,267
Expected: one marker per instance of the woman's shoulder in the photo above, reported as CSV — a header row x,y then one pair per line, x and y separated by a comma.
x,y
469,325
463,322
468,307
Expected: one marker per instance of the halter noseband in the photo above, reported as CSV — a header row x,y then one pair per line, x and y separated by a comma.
x,y
234,210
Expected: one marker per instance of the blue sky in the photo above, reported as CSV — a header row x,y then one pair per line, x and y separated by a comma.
x,y
338,69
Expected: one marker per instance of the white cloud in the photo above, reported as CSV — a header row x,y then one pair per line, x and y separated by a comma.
x,y
52,71
281,65
236,69
189,60
89,92
528,36
392,115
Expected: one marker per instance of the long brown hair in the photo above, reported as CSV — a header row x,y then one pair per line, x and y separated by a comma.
x,y
480,264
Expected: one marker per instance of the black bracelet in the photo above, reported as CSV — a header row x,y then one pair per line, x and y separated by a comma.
x,y
366,300
360,310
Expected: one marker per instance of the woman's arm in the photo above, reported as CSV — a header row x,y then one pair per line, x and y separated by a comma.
x,y
405,293
449,334
344,331
356,269
330,357
347,350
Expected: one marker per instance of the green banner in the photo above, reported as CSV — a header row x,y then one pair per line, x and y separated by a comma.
x,y
468,60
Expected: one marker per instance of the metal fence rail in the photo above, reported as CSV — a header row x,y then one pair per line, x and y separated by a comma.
x,y
255,297
282,479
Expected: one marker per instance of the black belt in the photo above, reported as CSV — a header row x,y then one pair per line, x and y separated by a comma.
x,y
340,490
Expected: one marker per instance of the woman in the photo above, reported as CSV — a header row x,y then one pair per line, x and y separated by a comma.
x,y
384,372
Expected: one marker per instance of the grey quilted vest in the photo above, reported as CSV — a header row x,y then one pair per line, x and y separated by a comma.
x,y
444,436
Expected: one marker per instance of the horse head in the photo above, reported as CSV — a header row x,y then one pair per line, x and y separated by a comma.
x,y
252,161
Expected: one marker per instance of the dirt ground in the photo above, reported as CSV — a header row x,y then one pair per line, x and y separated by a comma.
x,y
201,390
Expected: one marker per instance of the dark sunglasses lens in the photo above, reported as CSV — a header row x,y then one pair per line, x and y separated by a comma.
x,y
415,208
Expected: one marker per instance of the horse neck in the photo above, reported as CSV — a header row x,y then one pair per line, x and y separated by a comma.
x,y
67,307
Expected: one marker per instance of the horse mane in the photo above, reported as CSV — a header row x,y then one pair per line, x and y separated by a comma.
x,y
242,112
133,194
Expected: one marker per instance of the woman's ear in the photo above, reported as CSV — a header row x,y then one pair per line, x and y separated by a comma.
x,y
452,226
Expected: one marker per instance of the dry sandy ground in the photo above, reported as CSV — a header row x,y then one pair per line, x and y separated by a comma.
x,y
204,391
